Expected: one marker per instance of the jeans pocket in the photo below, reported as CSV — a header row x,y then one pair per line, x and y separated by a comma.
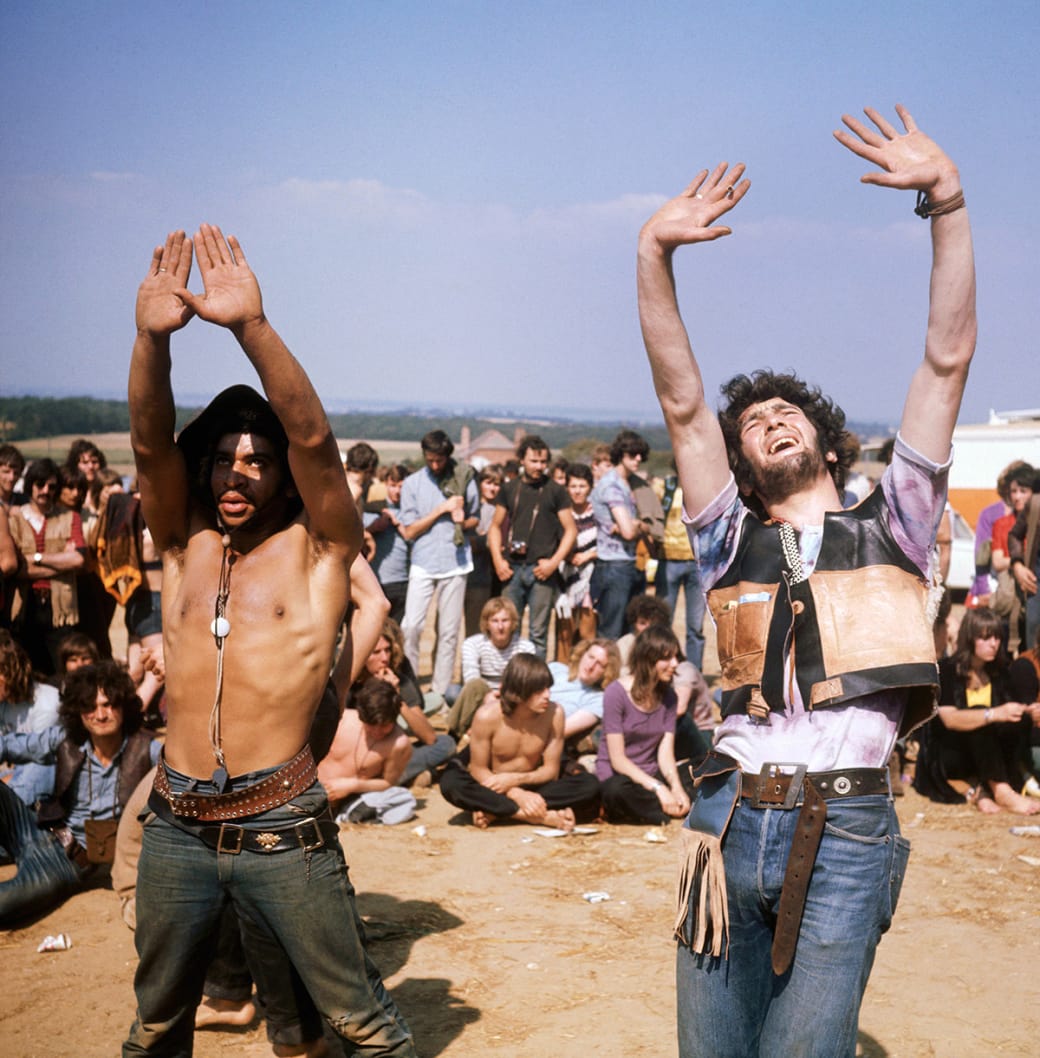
x,y
867,820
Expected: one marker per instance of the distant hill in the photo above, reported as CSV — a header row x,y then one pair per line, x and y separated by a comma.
x,y
42,417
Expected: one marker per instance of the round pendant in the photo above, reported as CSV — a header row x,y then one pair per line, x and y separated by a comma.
x,y
220,627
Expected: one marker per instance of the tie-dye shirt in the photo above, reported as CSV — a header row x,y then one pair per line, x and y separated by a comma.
x,y
860,734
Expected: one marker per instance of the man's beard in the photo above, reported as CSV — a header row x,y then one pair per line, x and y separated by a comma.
x,y
776,482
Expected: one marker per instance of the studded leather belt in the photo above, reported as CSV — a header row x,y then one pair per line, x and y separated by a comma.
x,y
277,789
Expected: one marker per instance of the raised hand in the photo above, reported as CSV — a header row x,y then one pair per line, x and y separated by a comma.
x,y
160,307
232,294
691,216
908,160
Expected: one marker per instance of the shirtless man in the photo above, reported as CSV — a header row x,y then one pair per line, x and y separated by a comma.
x,y
825,647
257,530
368,756
512,766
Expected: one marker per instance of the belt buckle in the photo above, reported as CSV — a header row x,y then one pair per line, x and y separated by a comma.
x,y
317,831
771,771
237,832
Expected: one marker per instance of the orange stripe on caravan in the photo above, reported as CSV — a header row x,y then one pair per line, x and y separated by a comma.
x,y
970,503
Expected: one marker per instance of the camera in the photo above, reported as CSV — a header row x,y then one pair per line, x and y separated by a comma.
x,y
518,549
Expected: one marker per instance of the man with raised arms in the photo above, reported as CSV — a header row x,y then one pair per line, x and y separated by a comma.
x,y
824,644
257,529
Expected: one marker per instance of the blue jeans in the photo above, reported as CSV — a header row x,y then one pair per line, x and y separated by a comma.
x,y
524,588
1032,620
46,875
737,1007
673,574
611,588
303,901
426,758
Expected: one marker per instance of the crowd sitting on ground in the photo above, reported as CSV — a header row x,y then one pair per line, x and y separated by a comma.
x,y
607,730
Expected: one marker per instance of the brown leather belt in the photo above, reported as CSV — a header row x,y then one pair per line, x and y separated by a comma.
x,y
770,788
287,782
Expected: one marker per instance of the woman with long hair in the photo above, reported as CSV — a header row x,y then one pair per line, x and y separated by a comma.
x,y
388,663
636,761
977,748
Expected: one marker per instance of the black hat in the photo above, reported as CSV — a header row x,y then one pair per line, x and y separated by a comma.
x,y
238,409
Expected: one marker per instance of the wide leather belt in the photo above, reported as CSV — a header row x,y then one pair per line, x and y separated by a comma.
x,y
771,788
308,834
287,782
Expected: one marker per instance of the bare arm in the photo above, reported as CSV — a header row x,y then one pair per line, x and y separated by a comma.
x,y
417,723
974,719
485,723
912,161
366,623
232,299
503,570
546,567
677,803
161,474
697,442
628,528
578,723
8,552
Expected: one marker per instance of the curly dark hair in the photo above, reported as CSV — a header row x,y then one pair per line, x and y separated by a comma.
x,y
80,694
628,443
81,446
740,392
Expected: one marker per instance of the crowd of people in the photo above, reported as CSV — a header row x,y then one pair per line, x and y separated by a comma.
x,y
296,583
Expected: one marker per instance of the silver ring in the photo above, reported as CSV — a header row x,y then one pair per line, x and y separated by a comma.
x,y
698,195
729,191
162,269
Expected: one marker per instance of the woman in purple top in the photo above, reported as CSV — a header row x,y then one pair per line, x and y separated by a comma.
x,y
636,762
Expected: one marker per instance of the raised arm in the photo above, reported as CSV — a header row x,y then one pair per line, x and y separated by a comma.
x,y
160,467
911,161
232,299
700,452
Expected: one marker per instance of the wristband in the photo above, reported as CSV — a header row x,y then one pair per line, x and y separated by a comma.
x,y
656,786
987,714
926,208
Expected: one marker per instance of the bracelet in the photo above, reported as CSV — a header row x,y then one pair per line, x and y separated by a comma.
x,y
656,786
926,208
987,714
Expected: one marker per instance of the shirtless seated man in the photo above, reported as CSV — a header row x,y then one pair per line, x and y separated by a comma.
x,y
513,766
257,530
363,770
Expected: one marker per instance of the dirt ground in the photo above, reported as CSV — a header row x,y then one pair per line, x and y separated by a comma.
x,y
490,949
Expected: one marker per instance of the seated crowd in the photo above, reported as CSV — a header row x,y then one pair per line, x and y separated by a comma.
x,y
604,731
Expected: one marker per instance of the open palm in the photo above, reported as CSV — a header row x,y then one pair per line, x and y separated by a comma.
x,y
232,294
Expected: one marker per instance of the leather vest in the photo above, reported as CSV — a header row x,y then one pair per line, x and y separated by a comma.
x,y
855,627
134,764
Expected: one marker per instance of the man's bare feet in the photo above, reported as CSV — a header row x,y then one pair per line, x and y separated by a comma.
x,y
482,820
212,1012
986,805
560,817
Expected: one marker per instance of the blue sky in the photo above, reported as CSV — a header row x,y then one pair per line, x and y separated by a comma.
x,y
441,200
